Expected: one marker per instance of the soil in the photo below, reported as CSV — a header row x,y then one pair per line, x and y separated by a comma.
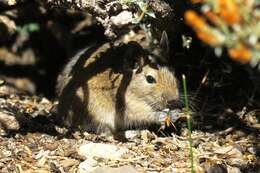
x,y
35,144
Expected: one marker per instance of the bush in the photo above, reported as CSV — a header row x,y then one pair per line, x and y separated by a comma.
x,y
230,24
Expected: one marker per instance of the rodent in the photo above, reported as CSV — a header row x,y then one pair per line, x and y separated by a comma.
x,y
115,88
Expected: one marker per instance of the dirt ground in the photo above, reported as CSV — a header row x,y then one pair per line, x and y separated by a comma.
x,y
31,142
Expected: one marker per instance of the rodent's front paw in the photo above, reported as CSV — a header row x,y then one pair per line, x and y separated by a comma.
x,y
171,114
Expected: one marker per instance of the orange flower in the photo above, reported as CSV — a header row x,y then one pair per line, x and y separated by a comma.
x,y
201,27
196,1
213,18
241,54
194,20
168,121
229,11
208,38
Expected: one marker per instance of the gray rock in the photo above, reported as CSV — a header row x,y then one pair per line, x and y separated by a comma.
x,y
8,121
123,169
87,166
131,134
123,18
106,151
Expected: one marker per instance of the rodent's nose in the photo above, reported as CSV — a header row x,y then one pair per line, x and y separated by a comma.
x,y
175,104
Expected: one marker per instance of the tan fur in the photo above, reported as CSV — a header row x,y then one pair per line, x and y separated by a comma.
x,y
101,91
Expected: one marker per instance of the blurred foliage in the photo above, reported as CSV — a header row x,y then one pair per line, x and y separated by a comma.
x,y
144,9
27,28
230,24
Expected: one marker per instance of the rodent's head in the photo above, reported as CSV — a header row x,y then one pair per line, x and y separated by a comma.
x,y
156,86
152,80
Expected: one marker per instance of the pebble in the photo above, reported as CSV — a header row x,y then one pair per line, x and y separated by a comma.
x,y
9,121
252,150
87,166
123,18
126,169
106,151
131,134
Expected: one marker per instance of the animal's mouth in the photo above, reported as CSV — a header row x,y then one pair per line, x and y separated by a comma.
x,y
159,107
174,104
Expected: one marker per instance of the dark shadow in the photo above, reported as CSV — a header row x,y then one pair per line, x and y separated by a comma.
x,y
27,123
229,87
120,100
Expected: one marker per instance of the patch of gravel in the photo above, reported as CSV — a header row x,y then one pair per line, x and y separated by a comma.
x,y
37,146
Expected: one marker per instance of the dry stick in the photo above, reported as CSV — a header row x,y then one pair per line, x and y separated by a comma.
x,y
203,81
188,120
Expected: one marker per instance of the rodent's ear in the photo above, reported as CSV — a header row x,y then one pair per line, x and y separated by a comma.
x,y
164,42
164,45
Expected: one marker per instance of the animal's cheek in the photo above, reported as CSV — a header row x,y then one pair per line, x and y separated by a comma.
x,y
138,81
157,90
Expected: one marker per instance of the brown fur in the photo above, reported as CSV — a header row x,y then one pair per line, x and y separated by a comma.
x,y
105,88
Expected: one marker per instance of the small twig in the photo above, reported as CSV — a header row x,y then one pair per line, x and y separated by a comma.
x,y
226,131
203,81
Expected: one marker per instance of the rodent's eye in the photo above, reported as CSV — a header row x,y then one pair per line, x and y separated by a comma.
x,y
150,79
